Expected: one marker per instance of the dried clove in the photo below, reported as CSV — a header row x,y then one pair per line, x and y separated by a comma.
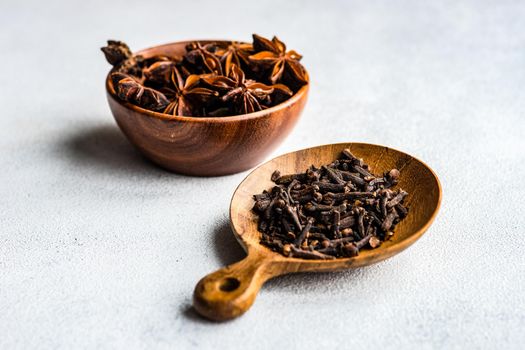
x,y
330,212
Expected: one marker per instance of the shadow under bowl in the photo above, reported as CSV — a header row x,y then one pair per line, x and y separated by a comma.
x,y
207,146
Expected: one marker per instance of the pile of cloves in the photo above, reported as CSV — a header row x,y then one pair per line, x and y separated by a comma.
x,y
330,212
211,79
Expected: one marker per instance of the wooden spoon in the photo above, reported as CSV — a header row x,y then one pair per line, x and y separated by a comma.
x,y
229,292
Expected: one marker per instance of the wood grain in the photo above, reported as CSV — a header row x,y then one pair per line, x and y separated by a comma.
x,y
205,146
245,278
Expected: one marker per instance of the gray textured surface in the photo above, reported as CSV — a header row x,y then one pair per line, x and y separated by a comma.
x,y
100,249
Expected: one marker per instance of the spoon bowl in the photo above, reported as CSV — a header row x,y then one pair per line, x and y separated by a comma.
x,y
229,292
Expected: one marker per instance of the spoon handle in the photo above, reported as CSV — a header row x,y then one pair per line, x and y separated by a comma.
x,y
230,291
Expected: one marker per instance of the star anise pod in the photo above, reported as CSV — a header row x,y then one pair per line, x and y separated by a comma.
x,y
235,53
119,55
273,55
200,55
158,58
183,93
116,52
159,72
129,88
246,95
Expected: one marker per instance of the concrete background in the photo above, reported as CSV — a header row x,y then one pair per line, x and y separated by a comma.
x,y
101,249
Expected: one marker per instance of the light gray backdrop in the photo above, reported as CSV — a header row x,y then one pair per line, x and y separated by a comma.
x,y
101,249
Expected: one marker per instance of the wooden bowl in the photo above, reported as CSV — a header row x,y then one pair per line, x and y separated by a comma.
x,y
207,146
230,291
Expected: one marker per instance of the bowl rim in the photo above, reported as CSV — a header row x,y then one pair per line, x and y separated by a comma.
x,y
301,93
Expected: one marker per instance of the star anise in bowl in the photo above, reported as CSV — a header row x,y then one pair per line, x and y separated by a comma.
x,y
206,107
208,79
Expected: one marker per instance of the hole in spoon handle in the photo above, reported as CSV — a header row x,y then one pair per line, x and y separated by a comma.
x,y
230,291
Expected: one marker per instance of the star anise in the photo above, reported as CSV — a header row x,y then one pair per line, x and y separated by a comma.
x,y
158,58
273,55
116,52
119,55
131,89
159,72
199,55
235,53
183,93
246,95
211,78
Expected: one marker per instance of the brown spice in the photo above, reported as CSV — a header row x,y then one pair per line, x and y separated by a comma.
x,y
330,212
211,79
